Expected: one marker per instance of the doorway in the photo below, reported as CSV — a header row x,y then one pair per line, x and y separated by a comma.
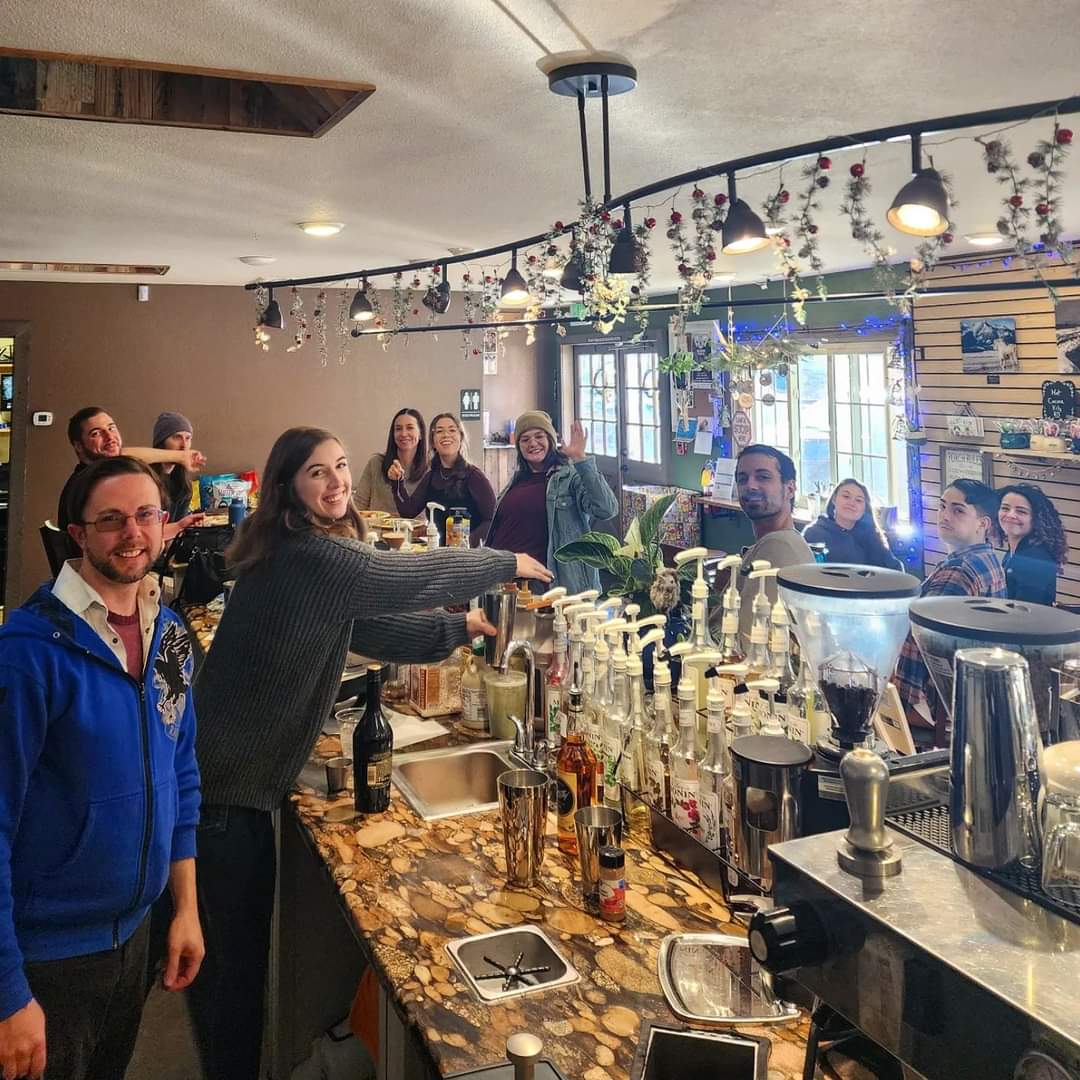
x,y
618,397
14,391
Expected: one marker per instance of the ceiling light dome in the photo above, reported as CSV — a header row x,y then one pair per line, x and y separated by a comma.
x,y
321,228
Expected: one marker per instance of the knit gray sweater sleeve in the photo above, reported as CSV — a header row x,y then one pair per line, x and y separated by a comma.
x,y
387,582
409,639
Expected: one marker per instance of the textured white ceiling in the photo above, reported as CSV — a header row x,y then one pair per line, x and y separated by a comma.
x,y
463,144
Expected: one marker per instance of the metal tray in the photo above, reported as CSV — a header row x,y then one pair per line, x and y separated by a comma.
x,y
711,980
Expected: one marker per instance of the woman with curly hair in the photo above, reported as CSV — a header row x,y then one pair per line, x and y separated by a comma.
x,y
1037,548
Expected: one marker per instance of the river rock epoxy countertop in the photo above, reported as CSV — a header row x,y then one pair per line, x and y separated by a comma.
x,y
412,886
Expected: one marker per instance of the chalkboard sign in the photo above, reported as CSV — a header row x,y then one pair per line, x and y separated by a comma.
x,y
1058,399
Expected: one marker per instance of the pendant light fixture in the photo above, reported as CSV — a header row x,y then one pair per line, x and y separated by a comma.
x,y
921,206
743,230
360,310
272,317
573,275
514,291
626,251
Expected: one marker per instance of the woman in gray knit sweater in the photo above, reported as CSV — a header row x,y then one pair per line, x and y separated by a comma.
x,y
306,592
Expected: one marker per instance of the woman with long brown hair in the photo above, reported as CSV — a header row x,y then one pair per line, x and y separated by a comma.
x,y
307,590
389,479
849,529
452,481
1036,543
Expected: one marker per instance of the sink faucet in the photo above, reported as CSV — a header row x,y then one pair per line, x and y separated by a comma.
x,y
525,748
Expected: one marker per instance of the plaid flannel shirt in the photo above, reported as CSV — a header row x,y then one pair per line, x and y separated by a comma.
x,y
974,571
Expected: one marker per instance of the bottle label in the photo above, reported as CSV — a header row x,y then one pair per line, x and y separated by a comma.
x,y
472,707
657,785
612,747
709,808
613,897
685,811
595,739
726,686
798,727
759,709
378,770
556,719
566,801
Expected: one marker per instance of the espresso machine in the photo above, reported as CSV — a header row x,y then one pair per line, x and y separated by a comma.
x,y
851,622
929,931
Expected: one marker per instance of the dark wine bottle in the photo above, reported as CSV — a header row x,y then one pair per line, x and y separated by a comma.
x,y
373,750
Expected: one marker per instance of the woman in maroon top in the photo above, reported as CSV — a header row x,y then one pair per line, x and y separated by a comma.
x,y
552,499
452,481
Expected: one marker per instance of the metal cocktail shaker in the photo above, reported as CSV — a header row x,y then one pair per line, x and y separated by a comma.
x,y
500,609
995,760
523,799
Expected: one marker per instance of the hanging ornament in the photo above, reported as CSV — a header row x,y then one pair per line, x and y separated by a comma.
x,y
768,399
746,401
343,328
765,378
896,394
296,311
320,327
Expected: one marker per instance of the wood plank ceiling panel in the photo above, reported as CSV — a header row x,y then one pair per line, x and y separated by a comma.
x,y
65,86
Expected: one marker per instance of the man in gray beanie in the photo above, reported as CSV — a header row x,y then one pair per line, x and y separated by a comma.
x,y
173,432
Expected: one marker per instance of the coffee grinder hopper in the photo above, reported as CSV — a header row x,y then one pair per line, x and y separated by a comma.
x,y
850,621
1047,638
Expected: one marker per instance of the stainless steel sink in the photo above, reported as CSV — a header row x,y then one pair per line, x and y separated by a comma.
x,y
449,783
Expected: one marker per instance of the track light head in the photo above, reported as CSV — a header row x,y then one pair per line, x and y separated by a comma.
x,y
514,291
361,309
921,206
573,275
272,317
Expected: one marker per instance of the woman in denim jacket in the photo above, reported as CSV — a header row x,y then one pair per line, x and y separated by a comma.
x,y
553,498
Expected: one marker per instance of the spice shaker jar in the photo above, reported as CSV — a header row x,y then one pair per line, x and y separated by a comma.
x,y
612,884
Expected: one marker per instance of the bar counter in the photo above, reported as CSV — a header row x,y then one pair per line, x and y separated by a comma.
x,y
407,887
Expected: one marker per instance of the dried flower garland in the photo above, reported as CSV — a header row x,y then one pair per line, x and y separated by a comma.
x,y
296,312
775,207
806,228
1047,159
262,302
864,229
343,329
639,291
319,315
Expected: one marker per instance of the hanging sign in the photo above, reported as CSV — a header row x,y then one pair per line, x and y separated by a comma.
x,y
1058,399
469,405
742,431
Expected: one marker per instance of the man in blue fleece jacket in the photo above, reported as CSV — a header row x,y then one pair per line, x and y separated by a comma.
x,y
99,790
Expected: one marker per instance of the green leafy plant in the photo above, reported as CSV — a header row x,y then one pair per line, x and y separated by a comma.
x,y
678,363
633,563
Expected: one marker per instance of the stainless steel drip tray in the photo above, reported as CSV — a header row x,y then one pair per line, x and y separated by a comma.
x,y
487,963
713,980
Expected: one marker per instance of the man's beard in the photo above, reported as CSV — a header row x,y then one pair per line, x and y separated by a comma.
x,y
113,573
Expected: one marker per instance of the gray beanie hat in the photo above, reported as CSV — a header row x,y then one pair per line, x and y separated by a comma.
x,y
169,423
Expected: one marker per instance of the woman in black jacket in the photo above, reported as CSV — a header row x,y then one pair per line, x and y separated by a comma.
x,y
1036,543
849,530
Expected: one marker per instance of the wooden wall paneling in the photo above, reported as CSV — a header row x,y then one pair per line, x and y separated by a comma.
x,y
943,384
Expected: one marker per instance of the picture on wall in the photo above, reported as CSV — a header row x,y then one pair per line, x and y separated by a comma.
x,y
989,345
1068,335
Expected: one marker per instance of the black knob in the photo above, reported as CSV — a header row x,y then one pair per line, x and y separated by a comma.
x,y
787,938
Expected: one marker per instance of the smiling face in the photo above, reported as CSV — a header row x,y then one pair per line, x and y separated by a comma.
x,y
446,438
406,434
1015,517
959,523
125,554
323,484
534,445
849,504
100,438
762,493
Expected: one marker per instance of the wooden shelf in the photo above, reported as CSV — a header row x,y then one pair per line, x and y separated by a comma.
x,y
1055,455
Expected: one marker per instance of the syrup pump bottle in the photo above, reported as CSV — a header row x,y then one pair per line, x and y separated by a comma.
x,y
758,659
700,634
730,647
431,533
714,770
594,732
557,674
741,724
617,716
632,755
573,659
596,711
661,738
686,755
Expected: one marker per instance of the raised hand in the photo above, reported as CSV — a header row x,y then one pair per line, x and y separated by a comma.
x,y
476,623
395,472
574,447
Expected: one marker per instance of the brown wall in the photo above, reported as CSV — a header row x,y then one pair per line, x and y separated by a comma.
x,y
943,385
190,349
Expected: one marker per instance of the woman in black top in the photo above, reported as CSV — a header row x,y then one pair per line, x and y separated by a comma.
x,y
452,481
849,529
1036,542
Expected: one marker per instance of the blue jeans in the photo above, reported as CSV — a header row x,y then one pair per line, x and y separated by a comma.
x,y
235,875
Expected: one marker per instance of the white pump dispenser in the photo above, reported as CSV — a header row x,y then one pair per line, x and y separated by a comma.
x,y
699,593
686,755
729,625
661,738
758,659
431,533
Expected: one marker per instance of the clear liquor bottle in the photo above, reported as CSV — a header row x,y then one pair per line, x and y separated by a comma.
x,y
617,716
632,769
714,770
659,741
685,761
596,710
558,677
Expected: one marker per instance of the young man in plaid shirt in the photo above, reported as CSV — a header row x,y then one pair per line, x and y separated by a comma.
x,y
966,520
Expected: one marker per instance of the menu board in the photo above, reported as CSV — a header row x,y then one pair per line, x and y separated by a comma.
x,y
1058,399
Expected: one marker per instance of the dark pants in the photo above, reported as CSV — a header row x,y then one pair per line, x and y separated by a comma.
x,y
236,870
93,1005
